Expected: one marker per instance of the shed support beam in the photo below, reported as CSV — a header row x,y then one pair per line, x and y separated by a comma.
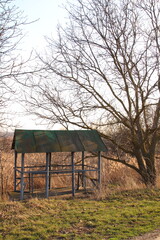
x,y
73,174
29,182
47,174
83,172
22,177
50,168
99,169
15,171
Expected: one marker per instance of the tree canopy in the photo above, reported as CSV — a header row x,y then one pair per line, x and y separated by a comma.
x,y
11,62
103,72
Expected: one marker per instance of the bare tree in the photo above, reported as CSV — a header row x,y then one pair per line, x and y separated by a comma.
x,y
11,67
102,72
11,62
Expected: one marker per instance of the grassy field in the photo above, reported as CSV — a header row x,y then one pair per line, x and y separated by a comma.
x,y
120,216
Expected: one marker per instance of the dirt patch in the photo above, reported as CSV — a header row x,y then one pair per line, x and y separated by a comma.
x,y
155,235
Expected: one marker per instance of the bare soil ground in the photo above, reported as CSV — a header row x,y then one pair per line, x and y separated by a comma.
x,y
155,235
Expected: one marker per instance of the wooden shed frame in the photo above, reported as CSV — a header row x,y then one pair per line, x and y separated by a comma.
x,y
25,141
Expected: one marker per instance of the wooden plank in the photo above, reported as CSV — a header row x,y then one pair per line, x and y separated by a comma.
x,y
15,171
50,169
99,169
47,175
73,174
22,177
83,172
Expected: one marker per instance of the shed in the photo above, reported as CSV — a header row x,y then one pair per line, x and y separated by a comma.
x,y
51,141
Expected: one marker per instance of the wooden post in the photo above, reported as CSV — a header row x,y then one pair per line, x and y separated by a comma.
x,y
99,169
78,180
15,171
32,183
22,177
29,182
47,175
50,170
73,174
83,172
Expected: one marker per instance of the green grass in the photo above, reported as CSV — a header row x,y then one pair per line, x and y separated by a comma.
x,y
120,216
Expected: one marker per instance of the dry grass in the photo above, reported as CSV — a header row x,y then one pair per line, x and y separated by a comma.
x,y
115,176
6,167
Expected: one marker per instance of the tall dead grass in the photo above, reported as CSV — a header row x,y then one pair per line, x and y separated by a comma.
x,y
6,166
115,176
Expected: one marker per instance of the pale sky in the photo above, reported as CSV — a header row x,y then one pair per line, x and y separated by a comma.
x,y
48,13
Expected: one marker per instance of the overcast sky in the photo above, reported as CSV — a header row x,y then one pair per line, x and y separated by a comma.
x,y
47,13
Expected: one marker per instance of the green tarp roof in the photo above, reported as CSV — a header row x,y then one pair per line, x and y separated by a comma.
x,y
32,141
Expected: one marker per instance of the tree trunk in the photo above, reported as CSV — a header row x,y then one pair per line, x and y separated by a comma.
x,y
146,166
149,173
